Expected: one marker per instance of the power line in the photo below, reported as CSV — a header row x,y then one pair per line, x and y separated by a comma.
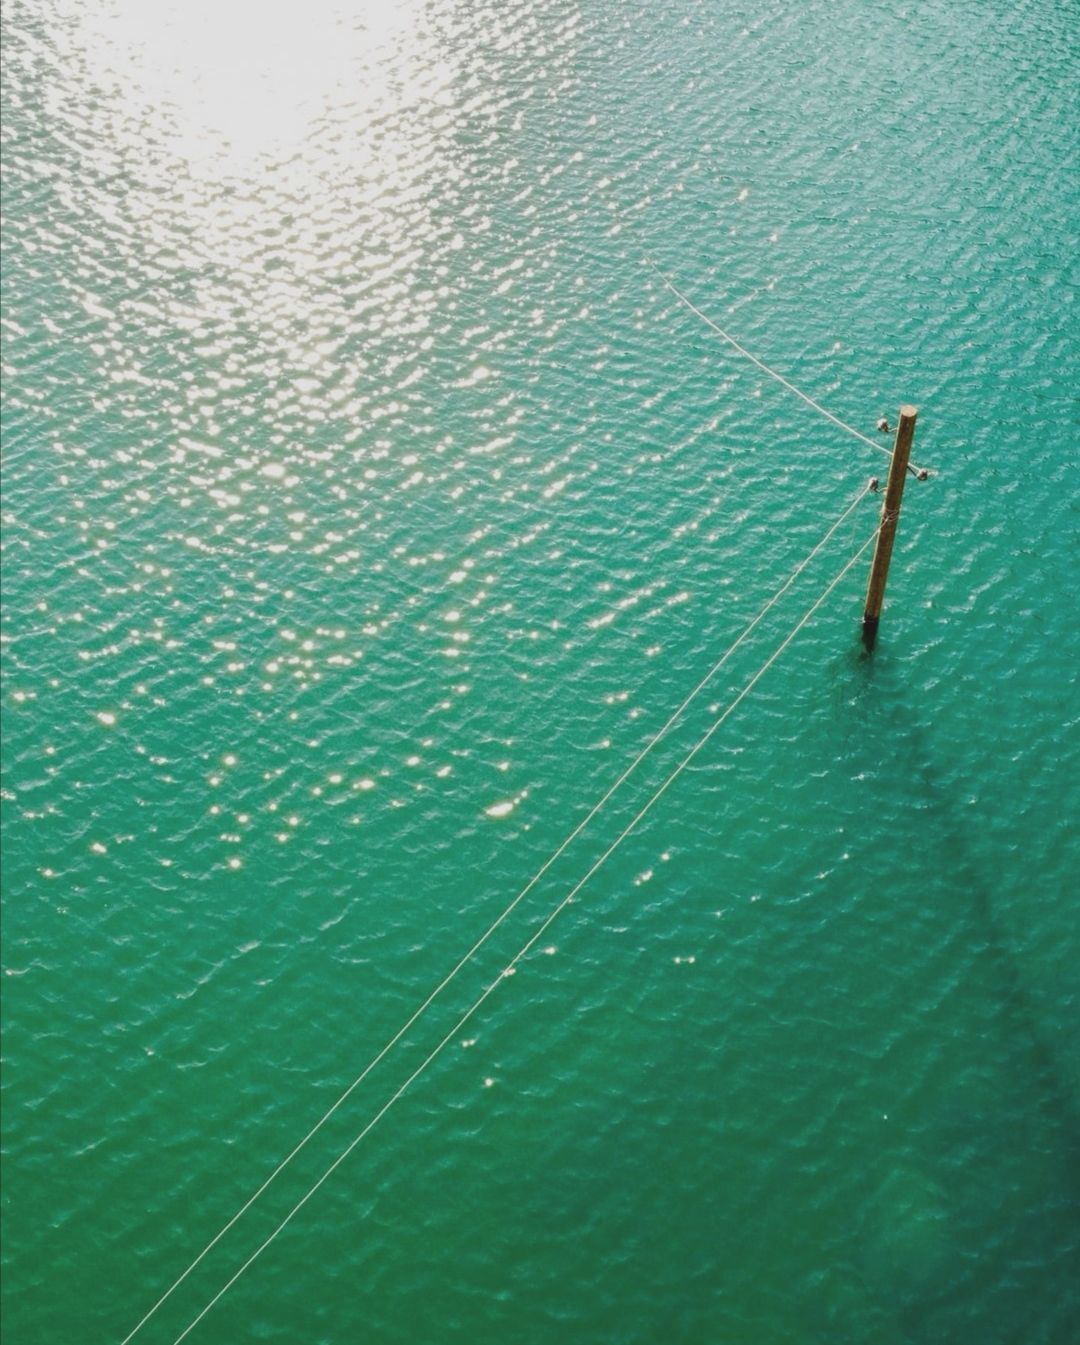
x,y
915,471
533,939
661,733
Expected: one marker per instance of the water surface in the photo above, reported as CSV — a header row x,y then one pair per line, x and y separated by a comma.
x,y
369,504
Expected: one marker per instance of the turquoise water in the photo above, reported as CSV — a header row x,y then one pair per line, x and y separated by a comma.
x,y
369,504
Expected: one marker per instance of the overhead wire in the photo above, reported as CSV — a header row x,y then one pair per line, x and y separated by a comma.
x,y
508,910
689,303
534,938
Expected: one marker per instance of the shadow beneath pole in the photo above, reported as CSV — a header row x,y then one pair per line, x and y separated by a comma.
x,y
914,753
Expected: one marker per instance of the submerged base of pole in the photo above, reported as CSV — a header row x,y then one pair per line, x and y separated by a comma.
x,y
869,631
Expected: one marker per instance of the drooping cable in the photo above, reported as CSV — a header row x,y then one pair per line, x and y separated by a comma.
x,y
918,472
505,913
532,940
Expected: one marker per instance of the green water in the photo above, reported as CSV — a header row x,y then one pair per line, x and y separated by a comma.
x,y
368,506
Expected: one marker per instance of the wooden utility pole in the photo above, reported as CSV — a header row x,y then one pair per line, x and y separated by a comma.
x,y
890,515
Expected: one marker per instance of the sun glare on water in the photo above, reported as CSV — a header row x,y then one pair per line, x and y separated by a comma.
x,y
223,141
227,83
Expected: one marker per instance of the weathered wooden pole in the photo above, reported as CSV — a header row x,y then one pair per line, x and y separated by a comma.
x,y
890,515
